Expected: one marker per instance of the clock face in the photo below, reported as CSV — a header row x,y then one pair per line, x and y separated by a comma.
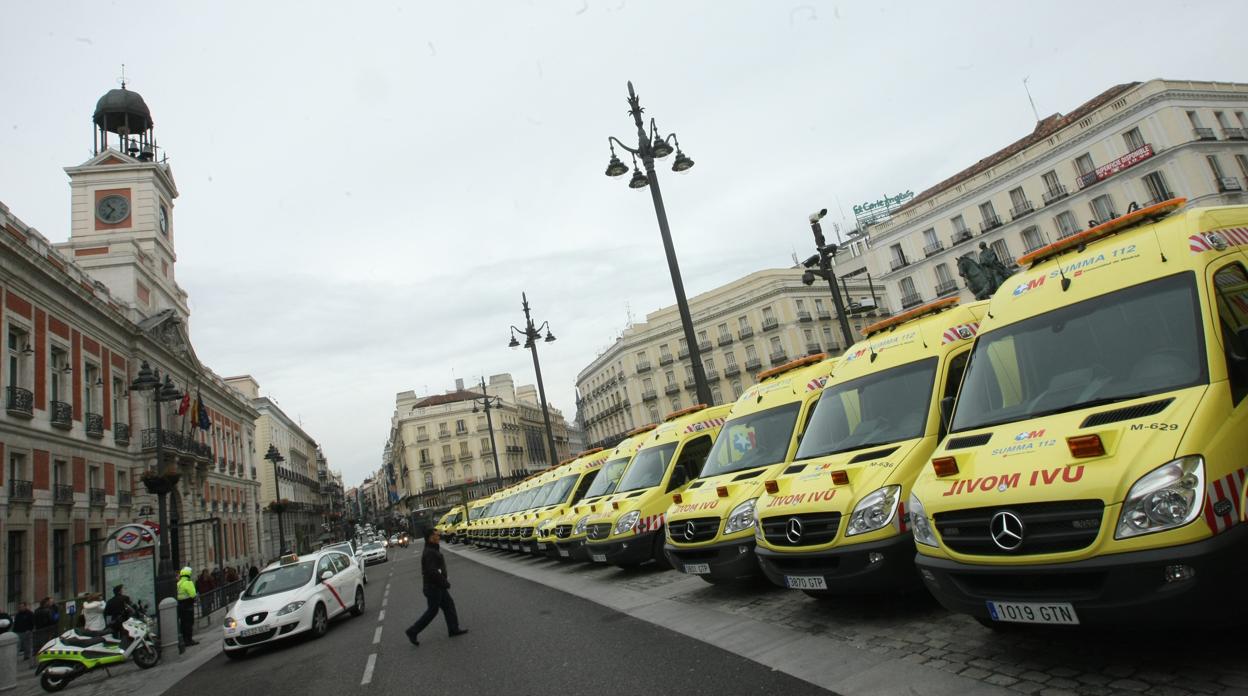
x,y
112,209
164,220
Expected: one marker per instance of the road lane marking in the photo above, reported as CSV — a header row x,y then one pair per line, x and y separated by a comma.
x,y
368,669
383,602
381,615
377,635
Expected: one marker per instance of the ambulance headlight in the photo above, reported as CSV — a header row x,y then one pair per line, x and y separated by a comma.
x,y
627,522
579,527
921,526
544,526
874,511
741,518
1169,496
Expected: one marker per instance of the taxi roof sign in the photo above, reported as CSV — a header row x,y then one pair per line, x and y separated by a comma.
x,y
289,558
1146,214
929,308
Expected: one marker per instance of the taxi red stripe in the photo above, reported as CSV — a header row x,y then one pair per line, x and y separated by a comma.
x,y
335,593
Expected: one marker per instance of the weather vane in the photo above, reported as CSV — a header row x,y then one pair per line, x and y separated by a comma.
x,y
122,79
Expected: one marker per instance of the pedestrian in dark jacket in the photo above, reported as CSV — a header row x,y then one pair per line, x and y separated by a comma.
x,y
437,589
23,624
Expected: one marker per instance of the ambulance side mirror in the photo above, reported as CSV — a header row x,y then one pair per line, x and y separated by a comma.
x,y
946,415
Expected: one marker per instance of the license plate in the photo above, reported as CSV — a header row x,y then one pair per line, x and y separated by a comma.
x,y
698,568
252,631
514,547
1034,612
805,582
564,553
541,546
598,557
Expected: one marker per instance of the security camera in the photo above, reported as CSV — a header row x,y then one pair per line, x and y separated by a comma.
x,y
812,261
808,278
816,217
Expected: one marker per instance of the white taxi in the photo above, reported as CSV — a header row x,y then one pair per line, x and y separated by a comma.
x,y
297,594
374,552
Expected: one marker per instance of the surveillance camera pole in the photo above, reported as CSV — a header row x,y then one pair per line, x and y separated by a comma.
x,y
826,252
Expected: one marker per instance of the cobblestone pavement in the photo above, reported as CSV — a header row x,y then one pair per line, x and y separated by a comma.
x,y
1028,660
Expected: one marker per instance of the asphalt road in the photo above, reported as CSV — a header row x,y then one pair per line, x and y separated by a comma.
x,y
525,639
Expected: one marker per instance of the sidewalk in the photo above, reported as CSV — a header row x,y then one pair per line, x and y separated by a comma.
x,y
127,678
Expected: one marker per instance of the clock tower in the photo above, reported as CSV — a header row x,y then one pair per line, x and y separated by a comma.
x,y
122,228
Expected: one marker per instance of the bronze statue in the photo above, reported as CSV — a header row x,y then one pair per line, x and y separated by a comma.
x,y
984,276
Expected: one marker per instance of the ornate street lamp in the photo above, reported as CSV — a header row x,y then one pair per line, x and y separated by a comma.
x,y
488,403
531,335
652,146
277,505
160,482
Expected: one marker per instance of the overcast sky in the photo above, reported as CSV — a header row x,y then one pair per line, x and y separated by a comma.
x,y
367,188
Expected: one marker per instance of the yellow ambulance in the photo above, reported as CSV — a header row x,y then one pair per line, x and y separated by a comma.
x,y
521,521
569,529
1095,466
446,525
834,521
568,488
628,529
710,525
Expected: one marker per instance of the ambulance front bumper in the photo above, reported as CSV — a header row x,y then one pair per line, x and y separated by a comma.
x,y
631,551
871,567
1139,587
575,549
729,560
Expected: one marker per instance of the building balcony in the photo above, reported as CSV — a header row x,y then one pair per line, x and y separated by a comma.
x,y
960,236
96,497
724,340
20,402
753,364
745,333
805,316
682,353
1204,134
121,433
448,460
643,366
21,490
649,395
990,222
690,384
465,456
125,498
514,449
666,360
732,370
769,324
813,349
704,346
933,248
426,464
826,315
778,358
1229,184
444,435
1054,194
1235,133
94,424
912,300
62,415
62,494
712,376
423,437
946,287
670,388
898,262
1024,208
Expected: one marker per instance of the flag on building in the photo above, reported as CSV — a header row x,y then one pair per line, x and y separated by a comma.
x,y
203,422
184,404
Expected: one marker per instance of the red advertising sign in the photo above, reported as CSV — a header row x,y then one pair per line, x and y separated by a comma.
x,y
1125,162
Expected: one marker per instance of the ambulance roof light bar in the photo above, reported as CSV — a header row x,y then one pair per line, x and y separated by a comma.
x,y
683,412
922,310
793,365
1150,213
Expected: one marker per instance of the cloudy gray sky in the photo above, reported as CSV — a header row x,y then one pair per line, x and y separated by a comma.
x,y
366,188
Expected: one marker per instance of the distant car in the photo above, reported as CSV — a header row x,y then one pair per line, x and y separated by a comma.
x,y
374,552
297,594
349,549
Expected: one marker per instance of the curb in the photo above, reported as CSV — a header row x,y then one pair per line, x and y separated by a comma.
x,y
823,662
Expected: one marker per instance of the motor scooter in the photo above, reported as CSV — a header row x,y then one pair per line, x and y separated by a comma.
x,y
78,651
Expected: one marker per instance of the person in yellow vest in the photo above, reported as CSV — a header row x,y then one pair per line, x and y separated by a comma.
x,y
186,606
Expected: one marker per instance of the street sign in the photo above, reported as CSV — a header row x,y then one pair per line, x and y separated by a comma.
x,y
129,559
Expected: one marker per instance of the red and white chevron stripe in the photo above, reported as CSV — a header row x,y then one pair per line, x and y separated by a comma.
x,y
1234,236
954,333
1223,495
648,524
704,425
816,383
900,521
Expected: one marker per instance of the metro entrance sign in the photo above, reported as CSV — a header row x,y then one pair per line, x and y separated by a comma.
x,y
129,559
876,211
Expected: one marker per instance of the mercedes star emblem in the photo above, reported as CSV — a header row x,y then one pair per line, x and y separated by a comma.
x,y
1006,530
793,530
690,530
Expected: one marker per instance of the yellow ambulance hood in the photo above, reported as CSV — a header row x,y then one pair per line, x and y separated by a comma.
x,y
809,483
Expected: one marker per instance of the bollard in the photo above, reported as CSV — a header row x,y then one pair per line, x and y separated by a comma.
x,y
8,661
168,623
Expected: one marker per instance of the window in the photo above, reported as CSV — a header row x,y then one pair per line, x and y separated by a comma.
x,y
723,331
736,389
1133,139
1155,183
819,300
1084,165
1065,223
60,473
428,479
809,335
647,384
460,426
654,414
1215,166
730,359
448,474
702,337
1033,239
1018,199
1194,119
801,305
119,403
1243,119
827,338
59,372
908,296
899,256
942,275
1051,184
665,353
988,213
424,456
1242,161
442,431
750,353
463,449
90,398
641,357
743,323
670,375
1223,121
959,225
1231,285
17,468
1003,252
15,567
19,345
929,239
709,365
60,561
1102,210
446,452
775,345
675,404
768,315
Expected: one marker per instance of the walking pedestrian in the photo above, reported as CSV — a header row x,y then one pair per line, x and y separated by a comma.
x,y
437,589
93,613
186,607
46,618
252,572
23,625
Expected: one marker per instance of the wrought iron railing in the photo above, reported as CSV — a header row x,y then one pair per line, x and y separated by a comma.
x,y
990,222
21,490
960,236
121,433
908,301
745,333
96,496
933,248
1204,134
220,597
753,364
1055,193
804,316
732,370
94,424
643,366
769,324
724,340
777,358
946,287
63,493
670,388
1023,208
20,402
62,415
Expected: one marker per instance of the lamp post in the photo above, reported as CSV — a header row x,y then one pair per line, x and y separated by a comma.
x,y
531,335
823,258
649,147
276,457
162,392
487,403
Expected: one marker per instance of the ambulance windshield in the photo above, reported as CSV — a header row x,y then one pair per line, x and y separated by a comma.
x,y
1145,339
876,409
559,491
647,468
758,439
607,477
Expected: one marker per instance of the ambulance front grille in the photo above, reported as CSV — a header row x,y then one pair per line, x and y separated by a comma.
x,y
810,530
598,531
1054,527
563,531
703,529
